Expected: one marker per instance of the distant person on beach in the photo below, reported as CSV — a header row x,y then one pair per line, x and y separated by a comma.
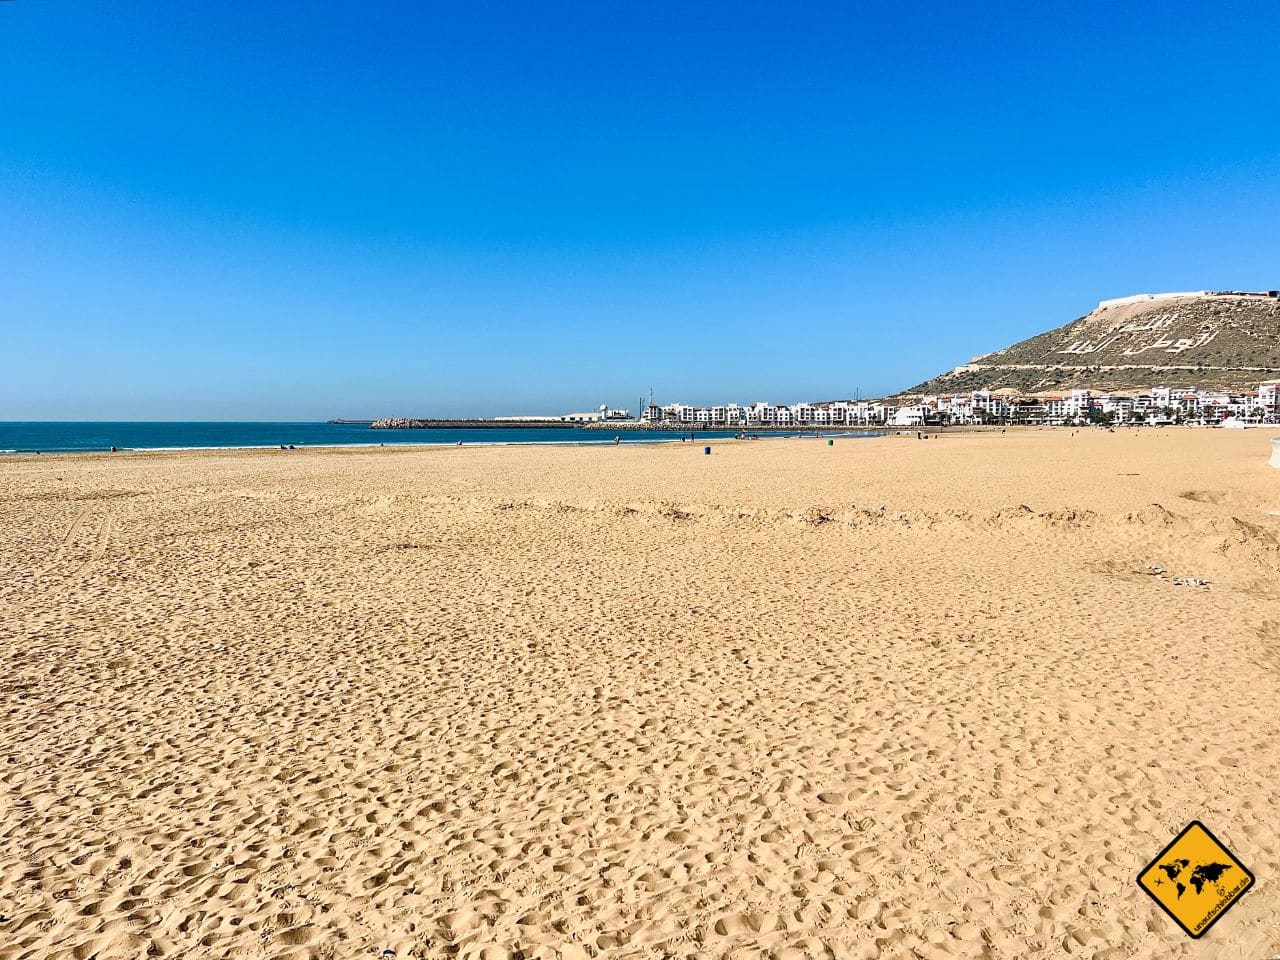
x,y
459,443
617,441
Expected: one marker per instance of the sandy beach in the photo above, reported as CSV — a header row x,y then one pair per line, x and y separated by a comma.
x,y
884,698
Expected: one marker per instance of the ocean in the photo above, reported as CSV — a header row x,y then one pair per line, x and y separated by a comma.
x,y
83,437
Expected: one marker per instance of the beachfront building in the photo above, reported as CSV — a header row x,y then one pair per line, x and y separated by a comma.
x,y
1161,405
1076,408
990,406
677,413
1119,409
1269,398
966,409
916,415
764,415
1168,405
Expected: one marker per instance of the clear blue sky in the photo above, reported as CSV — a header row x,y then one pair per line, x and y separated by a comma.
x,y
295,210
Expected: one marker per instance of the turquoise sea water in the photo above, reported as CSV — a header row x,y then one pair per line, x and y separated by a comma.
x,y
86,437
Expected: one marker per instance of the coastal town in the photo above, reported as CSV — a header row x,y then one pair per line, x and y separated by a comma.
x,y
1155,407
1118,365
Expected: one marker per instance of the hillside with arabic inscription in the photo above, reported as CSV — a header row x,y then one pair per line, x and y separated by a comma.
x,y
1209,340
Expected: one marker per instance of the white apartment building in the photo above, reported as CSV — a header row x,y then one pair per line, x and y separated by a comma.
x,y
913,416
1269,396
1075,408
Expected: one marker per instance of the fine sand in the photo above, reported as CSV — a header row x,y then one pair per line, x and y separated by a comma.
x,y
883,698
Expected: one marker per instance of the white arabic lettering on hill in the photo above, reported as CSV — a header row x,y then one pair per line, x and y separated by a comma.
x,y
1152,325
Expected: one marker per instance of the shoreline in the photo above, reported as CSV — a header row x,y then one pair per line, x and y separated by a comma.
x,y
594,438
699,437
402,445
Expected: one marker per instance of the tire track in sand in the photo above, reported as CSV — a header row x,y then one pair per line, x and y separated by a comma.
x,y
82,546
101,541
60,552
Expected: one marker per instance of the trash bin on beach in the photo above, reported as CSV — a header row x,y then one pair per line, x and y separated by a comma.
x,y
831,443
706,450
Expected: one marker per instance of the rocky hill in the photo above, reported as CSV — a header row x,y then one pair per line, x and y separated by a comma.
x,y
1208,340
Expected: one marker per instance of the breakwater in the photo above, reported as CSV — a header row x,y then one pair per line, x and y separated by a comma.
x,y
407,423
